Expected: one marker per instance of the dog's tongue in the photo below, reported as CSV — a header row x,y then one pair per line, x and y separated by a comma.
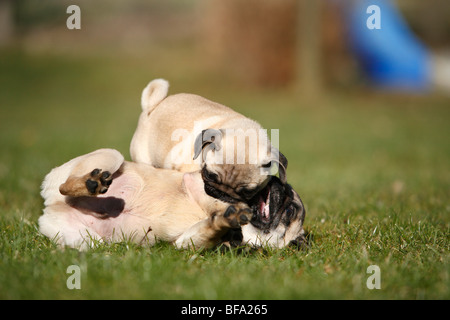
x,y
264,206
266,211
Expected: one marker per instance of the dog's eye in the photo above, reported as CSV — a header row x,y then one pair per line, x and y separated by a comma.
x,y
291,210
267,165
247,193
210,176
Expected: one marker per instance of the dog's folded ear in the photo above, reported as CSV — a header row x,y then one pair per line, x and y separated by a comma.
x,y
210,138
282,165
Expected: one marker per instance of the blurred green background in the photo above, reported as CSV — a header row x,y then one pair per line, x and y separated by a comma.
x,y
359,157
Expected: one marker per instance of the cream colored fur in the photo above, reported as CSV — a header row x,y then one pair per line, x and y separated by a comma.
x,y
144,204
168,126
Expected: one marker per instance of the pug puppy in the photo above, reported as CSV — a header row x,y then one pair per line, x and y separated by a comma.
x,y
278,216
186,132
101,197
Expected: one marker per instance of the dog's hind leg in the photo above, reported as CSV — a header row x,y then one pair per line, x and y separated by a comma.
x,y
208,232
90,184
61,221
68,227
72,177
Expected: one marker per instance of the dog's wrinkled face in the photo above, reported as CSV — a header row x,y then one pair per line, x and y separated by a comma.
x,y
278,215
235,168
225,182
278,211
239,182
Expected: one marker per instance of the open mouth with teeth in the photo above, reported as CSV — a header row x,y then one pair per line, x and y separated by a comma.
x,y
263,204
275,208
270,204
276,202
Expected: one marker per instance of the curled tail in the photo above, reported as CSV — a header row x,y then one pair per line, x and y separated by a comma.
x,y
153,94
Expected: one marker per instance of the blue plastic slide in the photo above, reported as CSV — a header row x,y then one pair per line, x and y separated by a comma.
x,y
389,53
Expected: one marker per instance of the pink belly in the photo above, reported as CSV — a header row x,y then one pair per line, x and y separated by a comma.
x,y
112,214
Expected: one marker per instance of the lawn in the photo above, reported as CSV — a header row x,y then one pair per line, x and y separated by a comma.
x,y
372,169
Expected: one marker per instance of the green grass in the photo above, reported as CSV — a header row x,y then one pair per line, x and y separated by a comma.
x,y
372,170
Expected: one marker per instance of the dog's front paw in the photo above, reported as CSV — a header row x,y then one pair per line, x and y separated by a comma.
x,y
237,215
98,182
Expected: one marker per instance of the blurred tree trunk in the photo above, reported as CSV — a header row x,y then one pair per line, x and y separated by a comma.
x,y
6,22
309,47
254,38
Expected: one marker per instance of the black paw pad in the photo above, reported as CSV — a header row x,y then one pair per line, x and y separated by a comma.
x,y
95,173
99,181
244,218
106,178
91,185
230,210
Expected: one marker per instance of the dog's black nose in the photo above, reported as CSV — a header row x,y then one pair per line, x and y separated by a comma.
x,y
299,243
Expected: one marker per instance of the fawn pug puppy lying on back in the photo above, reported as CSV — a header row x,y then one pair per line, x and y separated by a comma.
x,y
99,196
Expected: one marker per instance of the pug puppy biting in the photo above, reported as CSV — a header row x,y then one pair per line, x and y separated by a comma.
x,y
187,133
